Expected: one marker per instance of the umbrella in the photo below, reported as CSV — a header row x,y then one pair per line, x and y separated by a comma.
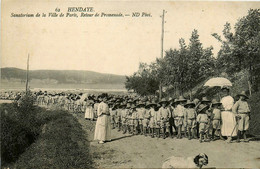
x,y
218,81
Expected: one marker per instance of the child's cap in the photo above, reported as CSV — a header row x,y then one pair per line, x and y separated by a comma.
x,y
215,102
189,103
202,107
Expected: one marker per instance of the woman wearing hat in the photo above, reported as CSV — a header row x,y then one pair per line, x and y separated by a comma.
x,y
242,111
227,117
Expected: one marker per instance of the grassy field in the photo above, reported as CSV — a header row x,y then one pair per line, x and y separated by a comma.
x,y
42,139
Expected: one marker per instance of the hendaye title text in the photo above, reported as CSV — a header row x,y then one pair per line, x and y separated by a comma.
x,y
80,12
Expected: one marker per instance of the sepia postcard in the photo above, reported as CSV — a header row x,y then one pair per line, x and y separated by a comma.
x,y
130,84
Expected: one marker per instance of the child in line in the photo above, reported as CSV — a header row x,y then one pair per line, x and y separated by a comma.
x,y
190,119
242,111
157,120
141,111
216,118
179,116
146,119
133,120
202,119
165,115
118,116
152,113
113,116
124,112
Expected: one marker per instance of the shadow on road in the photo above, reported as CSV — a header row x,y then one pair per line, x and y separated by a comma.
x,y
255,138
119,138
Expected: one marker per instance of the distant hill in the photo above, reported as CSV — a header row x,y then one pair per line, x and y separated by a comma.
x,y
60,76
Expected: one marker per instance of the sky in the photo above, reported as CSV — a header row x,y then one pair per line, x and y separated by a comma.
x,y
113,45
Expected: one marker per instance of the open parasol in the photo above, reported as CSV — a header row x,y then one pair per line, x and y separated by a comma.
x,y
218,81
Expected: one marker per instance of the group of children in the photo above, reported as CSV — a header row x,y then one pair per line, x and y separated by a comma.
x,y
173,118
168,118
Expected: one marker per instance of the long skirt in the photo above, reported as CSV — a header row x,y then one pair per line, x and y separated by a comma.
x,y
89,113
103,128
228,124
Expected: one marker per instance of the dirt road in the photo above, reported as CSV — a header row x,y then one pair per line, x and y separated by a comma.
x,y
146,152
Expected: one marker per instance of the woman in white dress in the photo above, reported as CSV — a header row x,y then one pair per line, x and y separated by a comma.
x,y
89,113
228,117
103,125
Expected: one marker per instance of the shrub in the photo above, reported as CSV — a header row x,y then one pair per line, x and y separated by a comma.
x,y
62,145
19,128
254,127
13,138
24,143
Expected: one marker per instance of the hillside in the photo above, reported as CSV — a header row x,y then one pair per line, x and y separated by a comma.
x,y
62,76
14,78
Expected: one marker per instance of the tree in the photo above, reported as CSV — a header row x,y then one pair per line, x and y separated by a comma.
x,y
241,49
144,81
247,44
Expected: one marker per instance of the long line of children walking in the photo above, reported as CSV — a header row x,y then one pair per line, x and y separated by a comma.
x,y
171,118
168,118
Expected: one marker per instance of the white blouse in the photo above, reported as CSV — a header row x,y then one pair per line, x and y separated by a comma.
x,y
227,102
103,109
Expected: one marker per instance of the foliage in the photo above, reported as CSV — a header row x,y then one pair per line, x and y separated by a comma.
x,y
180,69
31,134
143,82
62,144
241,50
183,69
254,127
14,138
19,127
